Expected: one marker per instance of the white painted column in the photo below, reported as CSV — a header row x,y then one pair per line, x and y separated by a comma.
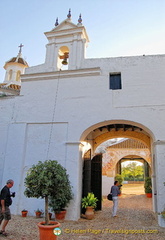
x,y
6,76
72,54
74,165
50,57
159,152
48,54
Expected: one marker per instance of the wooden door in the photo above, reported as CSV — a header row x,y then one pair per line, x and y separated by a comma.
x,y
96,179
87,174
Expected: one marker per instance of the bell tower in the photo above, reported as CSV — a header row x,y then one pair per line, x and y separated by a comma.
x,y
66,45
14,68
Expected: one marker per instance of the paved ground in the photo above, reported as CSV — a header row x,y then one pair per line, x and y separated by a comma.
x,y
135,221
133,189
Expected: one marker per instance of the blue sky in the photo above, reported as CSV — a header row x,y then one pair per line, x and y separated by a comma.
x,y
115,27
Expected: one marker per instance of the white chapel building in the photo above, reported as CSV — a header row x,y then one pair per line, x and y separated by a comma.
x,y
66,107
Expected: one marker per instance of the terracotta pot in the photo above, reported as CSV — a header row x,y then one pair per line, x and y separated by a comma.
x,y
24,213
149,195
38,214
47,231
50,216
89,214
163,215
60,215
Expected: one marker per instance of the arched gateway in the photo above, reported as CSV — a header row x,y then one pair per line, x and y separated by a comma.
x,y
92,165
93,136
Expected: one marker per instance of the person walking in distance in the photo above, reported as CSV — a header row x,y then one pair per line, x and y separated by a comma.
x,y
5,202
115,192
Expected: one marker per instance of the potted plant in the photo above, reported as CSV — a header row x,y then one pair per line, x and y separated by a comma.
x,y
45,180
24,212
50,215
59,204
89,203
119,178
148,187
39,213
163,213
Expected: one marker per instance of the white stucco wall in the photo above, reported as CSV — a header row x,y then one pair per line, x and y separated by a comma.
x,y
71,105
107,183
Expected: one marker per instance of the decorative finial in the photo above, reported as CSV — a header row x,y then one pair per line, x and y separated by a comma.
x,y
56,23
20,48
19,53
69,14
80,19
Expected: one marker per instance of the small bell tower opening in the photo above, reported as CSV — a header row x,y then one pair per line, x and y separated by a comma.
x,y
66,45
10,74
14,68
18,76
63,58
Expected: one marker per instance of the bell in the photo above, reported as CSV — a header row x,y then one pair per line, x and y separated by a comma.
x,y
64,62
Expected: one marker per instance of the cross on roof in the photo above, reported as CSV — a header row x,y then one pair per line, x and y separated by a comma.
x,y
20,46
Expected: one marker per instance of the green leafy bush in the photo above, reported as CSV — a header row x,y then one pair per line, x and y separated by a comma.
x,y
148,185
46,180
89,201
119,178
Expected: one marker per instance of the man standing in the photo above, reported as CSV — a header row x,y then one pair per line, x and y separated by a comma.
x,y
5,202
115,192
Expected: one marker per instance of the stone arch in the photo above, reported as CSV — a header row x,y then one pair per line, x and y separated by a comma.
x,y
117,134
108,167
103,131
95,126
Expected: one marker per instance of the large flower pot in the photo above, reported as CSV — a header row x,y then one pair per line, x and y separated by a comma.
x,y
163,215
60,215
24,213
47,231
89,213
50,216
149,195
38,214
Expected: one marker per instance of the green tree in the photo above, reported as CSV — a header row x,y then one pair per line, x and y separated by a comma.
x,y
133,171
47,180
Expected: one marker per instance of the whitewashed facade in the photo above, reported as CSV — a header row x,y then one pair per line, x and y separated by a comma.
x,y
59,111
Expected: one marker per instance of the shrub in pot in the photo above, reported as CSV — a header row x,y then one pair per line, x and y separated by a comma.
x,y
24,212
119,178
89,203
163,213
59,203
45,180
148,187
39,213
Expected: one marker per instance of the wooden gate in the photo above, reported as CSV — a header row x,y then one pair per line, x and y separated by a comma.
x,y
92,177
96,179
87,174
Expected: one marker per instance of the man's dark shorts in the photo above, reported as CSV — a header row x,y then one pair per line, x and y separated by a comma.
x,y
6,215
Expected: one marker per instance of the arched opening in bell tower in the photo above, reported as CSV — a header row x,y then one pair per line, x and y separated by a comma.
x,y
63,58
